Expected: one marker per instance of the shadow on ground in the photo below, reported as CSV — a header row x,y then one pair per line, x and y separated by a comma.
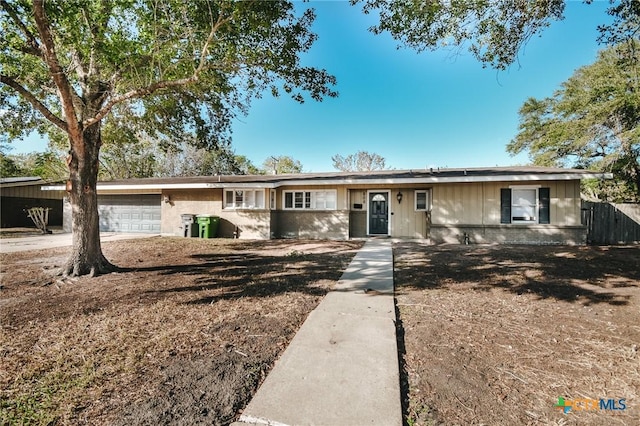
x,y
588,275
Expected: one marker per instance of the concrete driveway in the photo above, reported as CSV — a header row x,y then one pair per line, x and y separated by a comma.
x,y
11,245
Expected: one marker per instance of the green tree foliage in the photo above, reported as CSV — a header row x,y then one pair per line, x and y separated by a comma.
x,y
246,167
281,165
361,161
8,166
591,122
48,165
168,69
494,31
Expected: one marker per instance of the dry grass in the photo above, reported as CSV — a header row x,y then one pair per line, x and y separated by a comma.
x,y
187,333
494,335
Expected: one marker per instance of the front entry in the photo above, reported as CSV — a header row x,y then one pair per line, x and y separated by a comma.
x,y
378,213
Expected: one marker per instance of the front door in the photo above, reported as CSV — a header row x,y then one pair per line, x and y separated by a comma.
x,y
378,213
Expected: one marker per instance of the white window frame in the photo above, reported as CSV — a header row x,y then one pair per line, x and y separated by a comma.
x,y
427,193
536,206
309,199
251,199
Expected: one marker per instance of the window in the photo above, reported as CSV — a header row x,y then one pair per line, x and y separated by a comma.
x,y
524,205
244,199
310,200
272,199
422,200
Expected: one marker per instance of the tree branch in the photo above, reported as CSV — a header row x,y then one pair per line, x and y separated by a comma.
x,y
57,73
143,91
33,101
138,93
32,47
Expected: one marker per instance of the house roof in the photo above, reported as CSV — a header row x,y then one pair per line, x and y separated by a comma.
x,y
9,182
494,174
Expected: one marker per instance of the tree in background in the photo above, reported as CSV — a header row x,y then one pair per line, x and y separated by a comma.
x,y
494,31
171,68
591,122
361,161
281,165
8,166
246,167
48,165
188,160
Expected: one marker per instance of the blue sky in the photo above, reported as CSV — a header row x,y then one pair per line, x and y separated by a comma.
x,y
433,109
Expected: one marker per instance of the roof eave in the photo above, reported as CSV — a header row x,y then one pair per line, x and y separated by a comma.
x,y
348,181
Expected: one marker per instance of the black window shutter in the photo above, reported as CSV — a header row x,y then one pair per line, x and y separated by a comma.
x,y
505,205
543,214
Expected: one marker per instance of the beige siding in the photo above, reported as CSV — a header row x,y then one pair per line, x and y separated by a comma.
x,y
405,221
459,203
476,204
453,205
565,203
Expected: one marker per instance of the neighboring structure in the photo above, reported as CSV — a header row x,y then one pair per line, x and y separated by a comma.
x,y
503,204
18,194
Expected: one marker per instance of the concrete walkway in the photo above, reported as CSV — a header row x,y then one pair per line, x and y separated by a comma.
x,y
341,368
11,245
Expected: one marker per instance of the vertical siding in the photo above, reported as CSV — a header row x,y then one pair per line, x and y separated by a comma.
x,y
405,221
458,203
492,203
479,204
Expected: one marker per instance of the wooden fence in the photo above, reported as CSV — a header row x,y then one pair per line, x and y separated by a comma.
x,y
609,223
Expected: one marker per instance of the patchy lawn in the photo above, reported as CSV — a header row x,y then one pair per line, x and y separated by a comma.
x,y
184,335
495,334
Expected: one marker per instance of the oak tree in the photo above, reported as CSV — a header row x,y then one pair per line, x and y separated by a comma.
x,y
493,31
166,68
592,121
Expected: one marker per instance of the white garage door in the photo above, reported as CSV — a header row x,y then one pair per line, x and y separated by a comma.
x,y
130,213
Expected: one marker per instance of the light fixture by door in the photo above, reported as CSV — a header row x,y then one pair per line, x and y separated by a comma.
x,y
399,197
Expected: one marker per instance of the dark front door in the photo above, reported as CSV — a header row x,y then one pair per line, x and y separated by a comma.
x,y
378,213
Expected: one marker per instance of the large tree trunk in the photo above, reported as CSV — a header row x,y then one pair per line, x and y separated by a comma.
x,y
86,253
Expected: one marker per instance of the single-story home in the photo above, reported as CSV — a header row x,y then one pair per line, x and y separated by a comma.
x,y
480,205
18,194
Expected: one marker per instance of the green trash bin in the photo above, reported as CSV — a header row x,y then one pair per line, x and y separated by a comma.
x,y
207,225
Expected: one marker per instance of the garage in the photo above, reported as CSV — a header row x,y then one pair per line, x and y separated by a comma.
x,y
126,213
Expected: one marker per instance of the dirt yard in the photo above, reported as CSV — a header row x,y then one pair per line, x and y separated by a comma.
x,y
184,336
496,334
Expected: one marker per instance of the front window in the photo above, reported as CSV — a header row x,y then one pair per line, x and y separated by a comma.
x,y
524,205
244,199
310,200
